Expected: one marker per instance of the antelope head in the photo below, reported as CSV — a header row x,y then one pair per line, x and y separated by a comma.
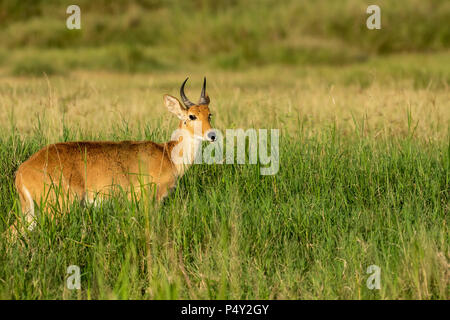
x,y
195,118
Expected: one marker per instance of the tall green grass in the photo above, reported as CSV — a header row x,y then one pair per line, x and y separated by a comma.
x,y
337,205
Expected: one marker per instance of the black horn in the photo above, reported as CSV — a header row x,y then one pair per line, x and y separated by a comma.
x,y
204,99
185,99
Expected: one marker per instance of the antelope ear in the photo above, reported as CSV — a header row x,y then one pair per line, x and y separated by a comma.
x,y
174,106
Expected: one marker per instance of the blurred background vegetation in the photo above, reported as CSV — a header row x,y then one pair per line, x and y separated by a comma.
x,y
150,35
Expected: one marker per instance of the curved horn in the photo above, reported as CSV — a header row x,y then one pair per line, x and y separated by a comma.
x,y
204,99
185,99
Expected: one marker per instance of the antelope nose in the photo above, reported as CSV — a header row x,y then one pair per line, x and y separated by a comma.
x,y
211,136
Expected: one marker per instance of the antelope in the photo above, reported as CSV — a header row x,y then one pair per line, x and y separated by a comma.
x,y
86,170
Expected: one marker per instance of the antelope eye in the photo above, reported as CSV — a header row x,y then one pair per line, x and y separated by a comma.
x,y
209,117
192,117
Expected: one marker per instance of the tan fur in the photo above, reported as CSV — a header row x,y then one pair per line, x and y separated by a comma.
x,y
89,170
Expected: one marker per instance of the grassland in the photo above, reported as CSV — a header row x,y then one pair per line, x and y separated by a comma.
x,y
364,179
148,35
364,173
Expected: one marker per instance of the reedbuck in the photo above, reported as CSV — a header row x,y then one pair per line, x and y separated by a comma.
x,y
88,170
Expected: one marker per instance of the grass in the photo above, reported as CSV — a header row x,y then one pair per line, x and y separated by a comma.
x,y
146,35
364,150
364,179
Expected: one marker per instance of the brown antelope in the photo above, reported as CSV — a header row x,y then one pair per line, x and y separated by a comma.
x,y
87,170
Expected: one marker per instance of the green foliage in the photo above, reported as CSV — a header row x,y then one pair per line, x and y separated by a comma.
x,y
36,67
228,34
